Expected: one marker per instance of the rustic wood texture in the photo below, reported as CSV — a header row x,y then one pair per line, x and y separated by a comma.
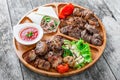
x,y
108,66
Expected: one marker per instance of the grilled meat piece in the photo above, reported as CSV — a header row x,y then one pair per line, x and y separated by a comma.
x,y
49,55
69,60
42,64
30,56
66,29
93,21
97,39
63,23
98,36
83,33
86,36
91,29
55,61
76,12
78,21
55,44
36,62
46,65
86,14
54,58
96,42
41,48
82,24
76,32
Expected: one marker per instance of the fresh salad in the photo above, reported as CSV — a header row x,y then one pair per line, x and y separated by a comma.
x,y
78,52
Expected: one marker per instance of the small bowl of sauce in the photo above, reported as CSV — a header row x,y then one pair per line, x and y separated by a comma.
x,y
27,33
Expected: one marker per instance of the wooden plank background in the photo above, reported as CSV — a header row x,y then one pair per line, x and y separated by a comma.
x,y
108,66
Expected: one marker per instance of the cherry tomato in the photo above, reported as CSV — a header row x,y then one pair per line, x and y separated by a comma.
x,y
62,68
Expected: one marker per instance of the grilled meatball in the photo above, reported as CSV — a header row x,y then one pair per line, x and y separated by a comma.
x,y
30,56
55,44
41,48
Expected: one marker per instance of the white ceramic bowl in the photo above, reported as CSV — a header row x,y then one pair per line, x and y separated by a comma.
x,y
19,27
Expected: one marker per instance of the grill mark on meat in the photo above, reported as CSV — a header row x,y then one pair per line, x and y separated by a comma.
x,y
30,56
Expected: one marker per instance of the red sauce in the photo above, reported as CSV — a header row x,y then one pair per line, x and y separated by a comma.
x,y
29,34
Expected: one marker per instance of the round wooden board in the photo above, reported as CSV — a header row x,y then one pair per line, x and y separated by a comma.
x,y
96,50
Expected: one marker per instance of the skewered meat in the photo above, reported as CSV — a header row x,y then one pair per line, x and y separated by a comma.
x,y
78,21
30,56
42,64
66,29
63,23
75,21
76,32
41,48
82,24
91,29
69,60
83,33
86,14
98,36
97,42
96,39
87,38
76,12
93,21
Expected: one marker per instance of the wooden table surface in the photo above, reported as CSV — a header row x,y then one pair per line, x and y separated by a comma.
x,y
107,67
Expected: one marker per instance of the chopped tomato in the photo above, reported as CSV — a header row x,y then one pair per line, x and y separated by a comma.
x,y
62,68
66,11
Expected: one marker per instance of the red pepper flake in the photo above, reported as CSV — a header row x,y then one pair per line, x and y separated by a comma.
x,y
66,11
